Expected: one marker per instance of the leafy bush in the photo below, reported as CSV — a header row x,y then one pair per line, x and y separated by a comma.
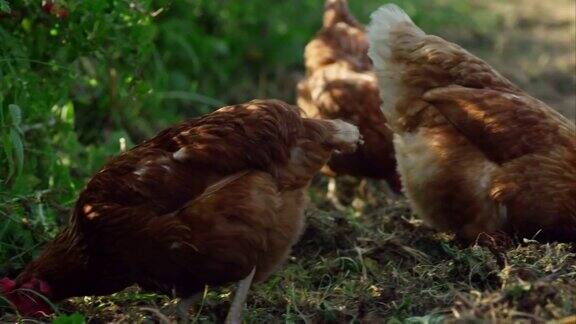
x,y
60,74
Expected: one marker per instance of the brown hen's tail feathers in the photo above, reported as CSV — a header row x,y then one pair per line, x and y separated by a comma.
x,y
336,11
383,22
384,30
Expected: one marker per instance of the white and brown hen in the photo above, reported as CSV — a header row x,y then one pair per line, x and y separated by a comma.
x,y
476,154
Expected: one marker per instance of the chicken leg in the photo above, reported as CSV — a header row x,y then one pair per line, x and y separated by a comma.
x,y
332,195
235,313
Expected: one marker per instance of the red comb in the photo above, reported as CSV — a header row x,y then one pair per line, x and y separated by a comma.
x,y
7,285
26,303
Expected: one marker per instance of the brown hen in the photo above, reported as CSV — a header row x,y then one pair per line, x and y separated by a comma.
x,y
340,83
207,202
476,154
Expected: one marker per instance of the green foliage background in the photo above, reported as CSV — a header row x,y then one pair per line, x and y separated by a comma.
x,y
72,87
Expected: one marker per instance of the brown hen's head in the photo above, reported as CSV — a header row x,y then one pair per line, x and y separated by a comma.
x,y
26,297
336,11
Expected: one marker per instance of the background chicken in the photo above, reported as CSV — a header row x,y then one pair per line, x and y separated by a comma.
x,y
206,202
476,154
340,83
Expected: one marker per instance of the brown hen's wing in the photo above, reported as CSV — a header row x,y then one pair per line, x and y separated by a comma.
x,y
175,166
216,238
168,170
434,62
251,135
503,125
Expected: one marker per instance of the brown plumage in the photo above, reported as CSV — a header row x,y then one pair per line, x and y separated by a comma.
x,y
340,83
476,154
203,202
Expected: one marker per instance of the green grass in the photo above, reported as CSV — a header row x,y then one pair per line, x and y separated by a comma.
x,y
381,265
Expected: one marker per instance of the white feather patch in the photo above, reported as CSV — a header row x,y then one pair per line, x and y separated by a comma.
x,y
382,22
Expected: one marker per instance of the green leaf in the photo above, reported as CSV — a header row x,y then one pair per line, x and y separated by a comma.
x,y
5,6
67,113
6,143
75,318
18,148
15,113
